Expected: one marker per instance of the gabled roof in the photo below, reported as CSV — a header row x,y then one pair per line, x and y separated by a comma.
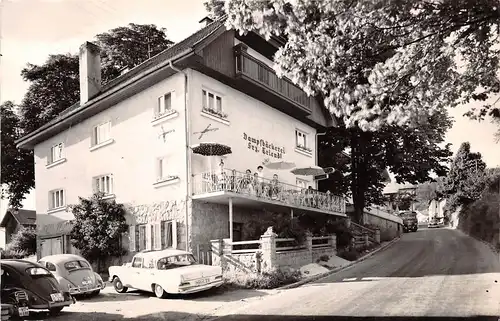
x,y
165,55
23,217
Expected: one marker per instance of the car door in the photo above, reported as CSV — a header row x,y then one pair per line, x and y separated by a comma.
x,y
136,276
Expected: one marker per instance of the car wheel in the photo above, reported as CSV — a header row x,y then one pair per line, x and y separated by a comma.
x,y
95,293
118,285
159,292
55,311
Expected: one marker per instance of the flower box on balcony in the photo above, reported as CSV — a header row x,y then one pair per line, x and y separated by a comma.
x,y
215,113
303,149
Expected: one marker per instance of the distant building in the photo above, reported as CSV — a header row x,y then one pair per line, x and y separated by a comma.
x,y
14,219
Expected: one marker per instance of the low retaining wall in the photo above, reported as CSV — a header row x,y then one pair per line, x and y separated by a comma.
x,y
268,256
390,225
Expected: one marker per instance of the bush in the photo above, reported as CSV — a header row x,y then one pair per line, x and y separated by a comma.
x,y
265,280
13,254
348,254
24,241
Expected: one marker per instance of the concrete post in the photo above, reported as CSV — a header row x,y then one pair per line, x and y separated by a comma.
x,y
332,241
268,244
377,236
367,240
217,251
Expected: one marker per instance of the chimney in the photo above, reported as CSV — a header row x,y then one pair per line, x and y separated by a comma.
x,y
205,21
90,71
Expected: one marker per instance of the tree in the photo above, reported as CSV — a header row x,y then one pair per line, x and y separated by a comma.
x,y
98,227
23,243
127,47
380,63
54,86
17,172
412,155
466,179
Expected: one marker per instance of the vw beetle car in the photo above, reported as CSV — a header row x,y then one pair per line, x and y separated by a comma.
x,y
165,272
28,285
73,273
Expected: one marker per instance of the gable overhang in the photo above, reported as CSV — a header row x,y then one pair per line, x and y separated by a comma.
x,y
105,100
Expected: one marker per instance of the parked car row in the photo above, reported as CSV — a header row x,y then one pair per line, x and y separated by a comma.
x,y
53,282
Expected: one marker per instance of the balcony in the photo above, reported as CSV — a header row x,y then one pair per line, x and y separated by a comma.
x,y
252,69
233,187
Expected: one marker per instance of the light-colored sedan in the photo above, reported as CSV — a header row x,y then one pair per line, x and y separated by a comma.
x,y
165,272
74,273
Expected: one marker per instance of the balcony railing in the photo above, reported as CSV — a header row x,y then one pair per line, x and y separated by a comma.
x,y
266,189
264,75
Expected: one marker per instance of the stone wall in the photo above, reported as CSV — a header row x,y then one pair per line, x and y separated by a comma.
x,y
156,212
268,256
293,259
390,225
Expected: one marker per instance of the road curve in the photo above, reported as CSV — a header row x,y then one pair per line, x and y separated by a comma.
x,y
432,274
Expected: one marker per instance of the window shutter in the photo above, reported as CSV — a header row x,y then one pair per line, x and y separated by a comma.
x,y
132,238
174,234
148,237
158,235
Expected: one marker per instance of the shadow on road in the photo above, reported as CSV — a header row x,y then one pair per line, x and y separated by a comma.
x,y
180,316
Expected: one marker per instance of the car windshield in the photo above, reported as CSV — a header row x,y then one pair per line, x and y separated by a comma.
x,y
174,261
76,265
38,271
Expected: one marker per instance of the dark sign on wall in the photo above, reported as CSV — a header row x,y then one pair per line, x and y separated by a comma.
x,y
264,147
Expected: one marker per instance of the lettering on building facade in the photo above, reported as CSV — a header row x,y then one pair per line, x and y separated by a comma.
x,y
264,147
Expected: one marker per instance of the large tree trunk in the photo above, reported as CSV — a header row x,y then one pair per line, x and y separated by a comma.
x,y
358,185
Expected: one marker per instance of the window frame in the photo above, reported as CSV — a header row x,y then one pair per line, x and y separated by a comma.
x,y
168,240
305,136
138,242
159,111
217,110
95,133
52,201
96,180
52,159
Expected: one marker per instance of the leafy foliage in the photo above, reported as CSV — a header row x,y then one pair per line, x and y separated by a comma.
x,y
411,154
265,280
378,64
23,241
481,218
282,225
127,47
17,171
466,178
98,227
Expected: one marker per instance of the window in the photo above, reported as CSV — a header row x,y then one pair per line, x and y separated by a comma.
x,y
56,153
301,183
56,199
300,139
51,267
164,105
140,237
101,133
212,103
104,184
162,171
75,265
167,234
137,263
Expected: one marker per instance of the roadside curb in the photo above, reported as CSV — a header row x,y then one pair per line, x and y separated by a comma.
x,y
323,275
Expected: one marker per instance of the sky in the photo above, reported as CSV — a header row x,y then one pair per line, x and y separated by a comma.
x,y
33,29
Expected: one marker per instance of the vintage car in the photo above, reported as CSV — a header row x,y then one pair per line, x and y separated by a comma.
x,y
165,272
73,273
435,222
25,281
410,221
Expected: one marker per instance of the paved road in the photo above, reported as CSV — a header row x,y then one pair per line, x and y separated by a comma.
x,y
432,274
